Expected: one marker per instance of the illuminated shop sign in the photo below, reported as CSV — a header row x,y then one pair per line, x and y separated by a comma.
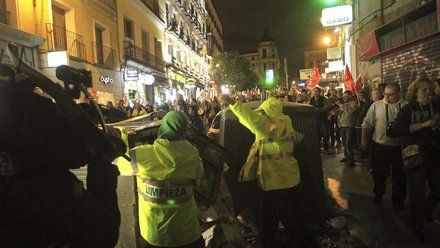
x,y
131,74
57,58
146,79
337,15
106,80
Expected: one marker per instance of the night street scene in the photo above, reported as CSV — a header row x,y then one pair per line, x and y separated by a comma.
x,y
219,123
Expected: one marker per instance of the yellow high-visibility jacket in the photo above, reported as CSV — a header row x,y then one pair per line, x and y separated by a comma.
x,y
167,172
270,159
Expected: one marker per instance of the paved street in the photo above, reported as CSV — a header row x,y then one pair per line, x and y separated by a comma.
x,y
351,189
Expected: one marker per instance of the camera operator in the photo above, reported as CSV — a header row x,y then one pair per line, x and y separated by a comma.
x,y
380,115
42,204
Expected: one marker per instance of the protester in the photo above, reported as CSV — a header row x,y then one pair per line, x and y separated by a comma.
x,y
376,95
121,106
194,118
382,87
335,134
364,105
303,97
380,115
322,107
346,121
436,96
419,123
138,110
180,104
171,166
278,173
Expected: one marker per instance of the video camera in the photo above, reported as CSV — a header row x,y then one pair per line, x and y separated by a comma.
x,y
73,78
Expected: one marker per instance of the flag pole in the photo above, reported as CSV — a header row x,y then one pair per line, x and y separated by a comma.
x,y
355,90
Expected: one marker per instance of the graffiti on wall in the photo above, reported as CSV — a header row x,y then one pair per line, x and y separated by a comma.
x,y
407,64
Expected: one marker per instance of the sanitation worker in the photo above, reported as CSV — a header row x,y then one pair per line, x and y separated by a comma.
x,y
167,172
272,164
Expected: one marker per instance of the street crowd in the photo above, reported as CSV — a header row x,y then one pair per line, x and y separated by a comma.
x,y
370,123
399,133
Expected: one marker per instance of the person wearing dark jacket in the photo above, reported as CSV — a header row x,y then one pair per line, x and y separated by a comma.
x,y
419,123
364,105
322,107
346,121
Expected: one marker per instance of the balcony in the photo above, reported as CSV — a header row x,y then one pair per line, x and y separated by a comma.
x,y
103,55
155,8
139,55
5,16
110,3
61,39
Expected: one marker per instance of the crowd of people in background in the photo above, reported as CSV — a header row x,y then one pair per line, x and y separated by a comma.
x,y
369,123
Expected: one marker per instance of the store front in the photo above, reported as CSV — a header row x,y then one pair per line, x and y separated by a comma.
x,y
107,85
408,48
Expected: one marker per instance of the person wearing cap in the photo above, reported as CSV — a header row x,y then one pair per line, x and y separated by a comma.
x,y
167,172
271,162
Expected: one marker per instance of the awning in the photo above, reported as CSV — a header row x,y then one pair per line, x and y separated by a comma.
x,y
367,46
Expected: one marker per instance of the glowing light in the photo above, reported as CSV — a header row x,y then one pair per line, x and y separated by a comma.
x,y
171,202
270,77
55,59
326,40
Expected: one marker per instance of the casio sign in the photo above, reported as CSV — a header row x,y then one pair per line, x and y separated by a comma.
x,y
337,15
337,21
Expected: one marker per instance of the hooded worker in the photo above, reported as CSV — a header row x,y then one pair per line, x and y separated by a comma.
x,y
272,164
167,172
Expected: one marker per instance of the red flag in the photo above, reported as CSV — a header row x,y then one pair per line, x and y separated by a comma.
x,y
314,79
358,84
349,83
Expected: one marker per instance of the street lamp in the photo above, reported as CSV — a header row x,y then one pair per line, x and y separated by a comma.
x,y
326,40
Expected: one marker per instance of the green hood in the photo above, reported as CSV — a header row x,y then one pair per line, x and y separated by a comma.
x,y
174,126
272,107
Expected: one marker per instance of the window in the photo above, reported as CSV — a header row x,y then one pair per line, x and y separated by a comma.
x,y
170,50
145,41
158,48
99,47
264,53
128,29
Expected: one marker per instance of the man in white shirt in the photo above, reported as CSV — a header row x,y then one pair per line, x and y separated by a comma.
x,y
386,151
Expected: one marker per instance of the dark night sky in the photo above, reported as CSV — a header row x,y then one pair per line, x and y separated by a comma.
x,y
294,24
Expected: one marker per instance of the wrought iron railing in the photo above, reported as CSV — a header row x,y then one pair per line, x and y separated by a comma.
x,y
61,39
110,3
5,16
103,55
155,8
138,54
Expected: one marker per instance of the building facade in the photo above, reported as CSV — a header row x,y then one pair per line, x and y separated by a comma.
x,y
144,50
214,30
396,41
142,24
186,47
265,61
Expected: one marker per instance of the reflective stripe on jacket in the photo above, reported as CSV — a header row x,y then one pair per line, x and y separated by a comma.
x,y
270,159
167,172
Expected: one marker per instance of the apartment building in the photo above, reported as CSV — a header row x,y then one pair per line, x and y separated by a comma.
x,y
186,46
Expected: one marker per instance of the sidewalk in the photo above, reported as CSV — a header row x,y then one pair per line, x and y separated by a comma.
x,y
352,192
